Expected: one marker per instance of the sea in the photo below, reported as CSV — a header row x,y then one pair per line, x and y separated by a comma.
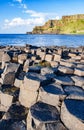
x,y
42,40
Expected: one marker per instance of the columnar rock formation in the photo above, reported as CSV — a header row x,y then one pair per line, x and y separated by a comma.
x,y
41,88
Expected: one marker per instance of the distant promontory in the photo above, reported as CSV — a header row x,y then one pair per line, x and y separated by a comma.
x,y
73,24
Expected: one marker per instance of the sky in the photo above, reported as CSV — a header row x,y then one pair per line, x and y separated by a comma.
x,y
20,16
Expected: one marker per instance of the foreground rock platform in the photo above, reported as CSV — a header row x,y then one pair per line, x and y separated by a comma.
x,y
41,88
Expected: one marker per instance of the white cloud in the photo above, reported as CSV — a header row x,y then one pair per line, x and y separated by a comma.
x,y
20,1
34,18
23,22
24,6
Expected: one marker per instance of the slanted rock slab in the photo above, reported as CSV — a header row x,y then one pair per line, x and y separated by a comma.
x,y
74,92
64,80
72,114
43,117
51,94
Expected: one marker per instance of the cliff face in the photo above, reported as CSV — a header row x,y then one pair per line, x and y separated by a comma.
x,y
73,24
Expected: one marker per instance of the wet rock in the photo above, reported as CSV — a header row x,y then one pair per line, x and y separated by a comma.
x,y
72,114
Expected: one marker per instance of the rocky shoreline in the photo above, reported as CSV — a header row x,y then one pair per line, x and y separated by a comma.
x,y
41,88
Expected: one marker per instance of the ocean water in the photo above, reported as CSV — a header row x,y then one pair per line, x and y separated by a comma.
x,y
42,40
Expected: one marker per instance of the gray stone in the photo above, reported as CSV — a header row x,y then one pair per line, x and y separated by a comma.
x,y
57,57
74,92
79,71
46,70
64,80
49,57
12,125
11,67
54,64
51,94
67,63
27,97
27,63
41,113
9,73
9,78
18,112
79,81
36,69
6,57
33,81
6,101
72,114
65,70
22,58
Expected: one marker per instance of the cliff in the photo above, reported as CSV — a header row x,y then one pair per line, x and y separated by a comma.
x,y
73,24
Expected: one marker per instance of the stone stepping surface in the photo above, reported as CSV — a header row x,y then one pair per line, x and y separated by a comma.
x,y
79,81
45,116
12,125
64,80
18,112
72,114
36,80
51,94
74,92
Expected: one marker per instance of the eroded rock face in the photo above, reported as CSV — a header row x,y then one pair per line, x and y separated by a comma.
x,y
72,114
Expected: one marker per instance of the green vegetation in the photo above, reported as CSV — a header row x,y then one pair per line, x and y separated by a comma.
x,y
67,25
